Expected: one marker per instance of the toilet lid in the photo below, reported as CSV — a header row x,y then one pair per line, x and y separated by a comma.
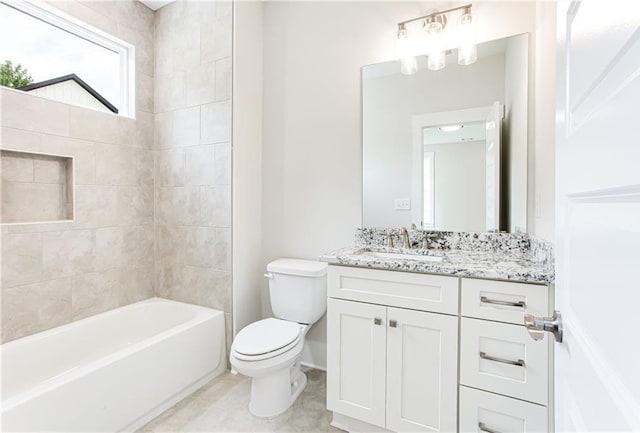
x,y
266,336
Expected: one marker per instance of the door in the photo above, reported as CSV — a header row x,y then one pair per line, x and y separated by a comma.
x,y
422,371
356,360
597,377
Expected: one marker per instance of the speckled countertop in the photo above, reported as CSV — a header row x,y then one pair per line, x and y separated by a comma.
x,y
522,260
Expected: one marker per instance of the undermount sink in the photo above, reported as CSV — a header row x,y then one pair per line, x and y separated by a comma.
x,y
402,256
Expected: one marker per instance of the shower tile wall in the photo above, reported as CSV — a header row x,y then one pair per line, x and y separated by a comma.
x,y
55,273
193,153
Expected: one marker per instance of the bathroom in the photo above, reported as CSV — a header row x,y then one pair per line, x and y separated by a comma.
x,y
240,180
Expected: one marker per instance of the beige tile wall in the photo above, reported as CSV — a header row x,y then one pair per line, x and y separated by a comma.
x,y
153,195
193,153
59,272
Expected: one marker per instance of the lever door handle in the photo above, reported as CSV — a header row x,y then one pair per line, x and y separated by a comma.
x,y
537,326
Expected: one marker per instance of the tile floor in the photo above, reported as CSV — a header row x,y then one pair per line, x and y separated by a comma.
x,y
221,406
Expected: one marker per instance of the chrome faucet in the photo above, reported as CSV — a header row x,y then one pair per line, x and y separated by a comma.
x,y
425,240
390,239
404,234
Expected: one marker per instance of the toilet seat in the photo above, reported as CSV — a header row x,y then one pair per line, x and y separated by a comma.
x,y
265,339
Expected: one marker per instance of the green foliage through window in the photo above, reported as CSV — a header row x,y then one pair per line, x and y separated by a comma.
x,y
14,76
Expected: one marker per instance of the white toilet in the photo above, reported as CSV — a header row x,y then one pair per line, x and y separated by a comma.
x,y
268,351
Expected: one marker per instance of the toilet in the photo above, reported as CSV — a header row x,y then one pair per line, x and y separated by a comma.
x,y
268,351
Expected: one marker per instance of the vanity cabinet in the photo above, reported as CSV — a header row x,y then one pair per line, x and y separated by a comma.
x,y
393,367
422,352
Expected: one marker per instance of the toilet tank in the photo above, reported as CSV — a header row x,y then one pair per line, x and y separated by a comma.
x,y
298,289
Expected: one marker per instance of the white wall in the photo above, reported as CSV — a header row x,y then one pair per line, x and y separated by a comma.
x,y
313,52
390,102
247,163
544,181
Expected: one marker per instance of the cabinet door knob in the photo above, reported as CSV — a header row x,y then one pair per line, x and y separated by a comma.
x,y
393,323
377,321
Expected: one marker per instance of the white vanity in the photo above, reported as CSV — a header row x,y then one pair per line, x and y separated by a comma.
x,y
416,351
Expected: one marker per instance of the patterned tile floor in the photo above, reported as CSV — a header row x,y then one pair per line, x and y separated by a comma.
x,y
222,406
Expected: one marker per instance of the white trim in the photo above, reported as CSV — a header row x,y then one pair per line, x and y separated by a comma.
x,y
314,366
429,158
125,50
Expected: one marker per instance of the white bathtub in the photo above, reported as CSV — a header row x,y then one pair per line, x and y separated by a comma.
x,y
110,372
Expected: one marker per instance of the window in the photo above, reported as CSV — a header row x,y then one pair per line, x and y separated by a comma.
x,y
66,59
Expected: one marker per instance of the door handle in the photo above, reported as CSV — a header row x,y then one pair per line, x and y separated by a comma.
x,y
537,326
393,323
377,321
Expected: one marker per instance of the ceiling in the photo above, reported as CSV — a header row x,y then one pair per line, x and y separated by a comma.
x,y
473,131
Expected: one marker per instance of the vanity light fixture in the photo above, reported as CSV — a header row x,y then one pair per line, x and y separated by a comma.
x,y
467,49
451,128
408,62
434,42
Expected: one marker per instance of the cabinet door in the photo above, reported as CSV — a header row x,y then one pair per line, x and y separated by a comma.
x,y
422,370
356,360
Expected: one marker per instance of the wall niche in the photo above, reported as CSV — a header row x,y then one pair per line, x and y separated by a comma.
x,y
36,187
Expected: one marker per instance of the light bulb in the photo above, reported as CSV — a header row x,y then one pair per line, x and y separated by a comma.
x,y
467,48
436,60
467,55
408,66
404,52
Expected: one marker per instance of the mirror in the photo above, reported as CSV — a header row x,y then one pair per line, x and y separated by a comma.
x,y
447,150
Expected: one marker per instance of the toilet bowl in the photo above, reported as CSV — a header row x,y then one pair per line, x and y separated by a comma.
x,y
268,351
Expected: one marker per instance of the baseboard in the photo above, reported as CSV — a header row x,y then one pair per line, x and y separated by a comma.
x,y
310,365
353,425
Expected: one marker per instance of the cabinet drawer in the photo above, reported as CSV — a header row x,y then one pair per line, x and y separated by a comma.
x,y
485,412
434,293
503,301
503,358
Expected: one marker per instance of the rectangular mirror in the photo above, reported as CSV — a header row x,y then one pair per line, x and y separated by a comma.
x,y
447,150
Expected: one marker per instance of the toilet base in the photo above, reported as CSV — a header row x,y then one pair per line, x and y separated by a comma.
x,y
273,394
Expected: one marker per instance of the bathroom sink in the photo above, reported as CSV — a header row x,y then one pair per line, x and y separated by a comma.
x,y
402,256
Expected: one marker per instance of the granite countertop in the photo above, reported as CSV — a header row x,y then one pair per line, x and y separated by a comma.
x,y
498,265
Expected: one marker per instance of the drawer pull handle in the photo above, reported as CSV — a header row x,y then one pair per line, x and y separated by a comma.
x,y
486,300
393,323
519,362
484,428
377,321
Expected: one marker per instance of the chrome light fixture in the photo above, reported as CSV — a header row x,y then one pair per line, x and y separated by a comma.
x,y
433,26
437,40
408,62
467,49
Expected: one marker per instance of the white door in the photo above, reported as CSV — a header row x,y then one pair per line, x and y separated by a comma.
x,y
422,371
492,143
356,360
597,377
